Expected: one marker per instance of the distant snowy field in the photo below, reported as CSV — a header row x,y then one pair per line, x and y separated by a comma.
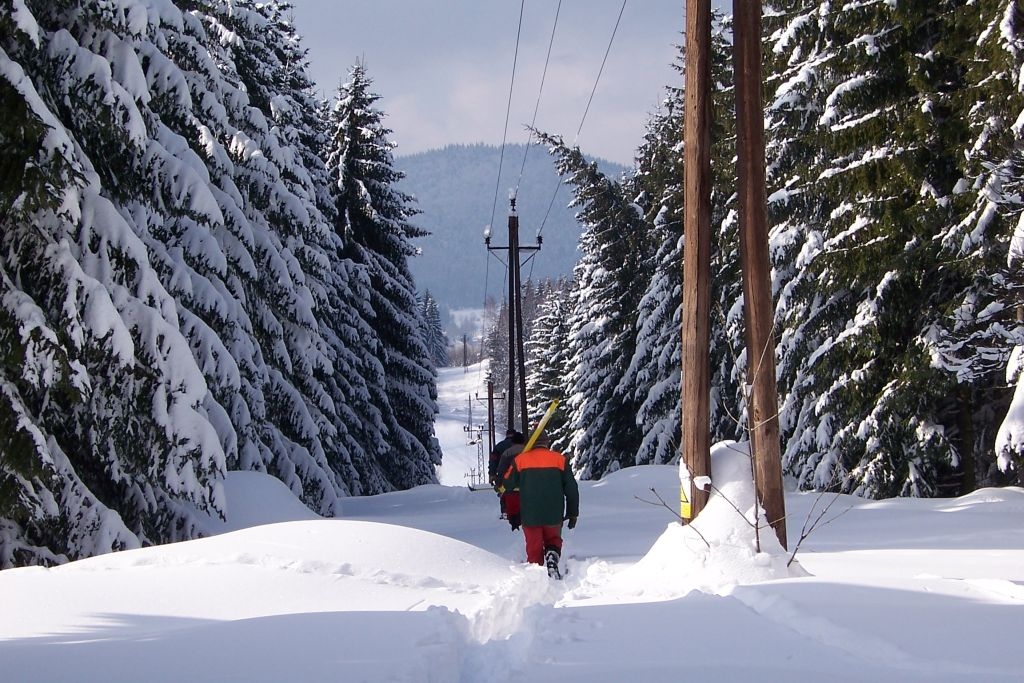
x,y
429,585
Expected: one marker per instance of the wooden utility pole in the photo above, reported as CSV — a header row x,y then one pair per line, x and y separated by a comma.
x,y
513,300
696,389
520,357
763,404
516,351
491,399
490,416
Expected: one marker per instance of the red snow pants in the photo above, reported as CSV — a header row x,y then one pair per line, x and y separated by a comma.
x,y
510,500
540,538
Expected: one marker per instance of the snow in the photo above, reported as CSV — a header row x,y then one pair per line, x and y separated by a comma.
x,y
25,21
429,585
462,401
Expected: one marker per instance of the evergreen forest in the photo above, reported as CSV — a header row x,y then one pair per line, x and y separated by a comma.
x,y
202,268
894,159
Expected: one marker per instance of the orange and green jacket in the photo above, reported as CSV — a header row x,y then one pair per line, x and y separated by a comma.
x,y
548,492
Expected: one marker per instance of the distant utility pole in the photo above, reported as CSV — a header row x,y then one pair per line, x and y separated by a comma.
x,y
516,353
490,416
696,331
763,403
489,402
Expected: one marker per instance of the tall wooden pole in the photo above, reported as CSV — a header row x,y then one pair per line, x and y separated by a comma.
x,y
520,352
516,340
513,300
696,332
490,416
763,404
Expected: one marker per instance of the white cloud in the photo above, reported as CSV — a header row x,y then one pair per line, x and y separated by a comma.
x,y
443,69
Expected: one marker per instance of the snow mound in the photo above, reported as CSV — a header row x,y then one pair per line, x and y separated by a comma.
x,y
719,550
253,499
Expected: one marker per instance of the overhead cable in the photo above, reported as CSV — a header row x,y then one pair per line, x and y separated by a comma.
x,y
540,91
587,110
601,70
508,111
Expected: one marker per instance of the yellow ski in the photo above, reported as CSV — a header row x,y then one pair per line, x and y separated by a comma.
x,y
541,425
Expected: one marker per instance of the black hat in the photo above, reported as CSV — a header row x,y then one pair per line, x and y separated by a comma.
x,y
543,439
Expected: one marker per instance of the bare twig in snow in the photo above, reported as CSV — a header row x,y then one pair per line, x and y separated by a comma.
x,y
661,501
809,527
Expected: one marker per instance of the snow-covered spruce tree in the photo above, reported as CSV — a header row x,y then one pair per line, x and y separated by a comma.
x,y
433,331
533,296
192,225
968,85
260,321
338,285
547,359
998,157
375,219
357,383
653,375
313,410
355,378
613,247
496,349
976,337
104,443
654,372
863,161
797,94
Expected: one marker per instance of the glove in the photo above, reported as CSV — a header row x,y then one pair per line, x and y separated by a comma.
x,y
572,523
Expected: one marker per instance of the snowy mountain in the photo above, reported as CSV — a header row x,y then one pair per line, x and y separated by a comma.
x,y
455,189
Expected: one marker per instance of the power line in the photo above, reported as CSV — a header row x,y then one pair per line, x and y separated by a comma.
x,y
508,111
587,110
501,156
601,70
536,107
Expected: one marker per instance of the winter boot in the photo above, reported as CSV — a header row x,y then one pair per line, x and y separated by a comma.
x,y
551,558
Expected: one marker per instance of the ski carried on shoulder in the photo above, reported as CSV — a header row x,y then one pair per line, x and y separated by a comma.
x,y
541,425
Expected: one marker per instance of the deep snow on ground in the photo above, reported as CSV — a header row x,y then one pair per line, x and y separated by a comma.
x,y
429,585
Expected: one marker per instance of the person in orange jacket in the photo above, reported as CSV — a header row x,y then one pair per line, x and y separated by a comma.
x,y
548,495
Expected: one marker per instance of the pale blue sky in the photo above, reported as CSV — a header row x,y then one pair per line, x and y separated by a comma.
x,y
443,68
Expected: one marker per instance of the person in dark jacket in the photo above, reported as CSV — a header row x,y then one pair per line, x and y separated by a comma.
x,y
512,437
493,474
548,495
510,497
